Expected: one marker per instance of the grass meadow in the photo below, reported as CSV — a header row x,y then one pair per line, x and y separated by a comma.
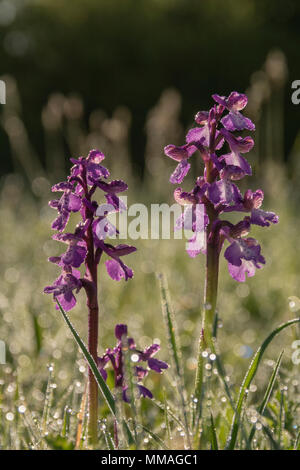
x,y
43,382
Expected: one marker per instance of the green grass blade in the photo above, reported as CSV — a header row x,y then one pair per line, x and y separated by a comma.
x,y
270,385
214,440
281,418
155,437
173,341
132,388
297,442
66,422
167,422
215,325
248,379
171,325
107,395
268,433
222,375
267,395
108,439
38,333
127,431
169,411
219,364
48,401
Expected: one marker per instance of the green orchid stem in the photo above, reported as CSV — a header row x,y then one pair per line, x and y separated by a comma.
x,y
93,319
210,302
93,386
211,291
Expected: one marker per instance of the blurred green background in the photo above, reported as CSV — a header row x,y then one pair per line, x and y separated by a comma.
x,y
125,53
127,77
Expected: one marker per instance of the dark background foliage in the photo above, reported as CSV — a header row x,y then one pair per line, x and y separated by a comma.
x,y
126,52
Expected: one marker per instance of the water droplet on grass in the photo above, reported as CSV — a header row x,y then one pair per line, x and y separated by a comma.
x,y
134,357
9,416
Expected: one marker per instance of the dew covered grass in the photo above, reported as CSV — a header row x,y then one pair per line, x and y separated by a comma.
x,y
43,383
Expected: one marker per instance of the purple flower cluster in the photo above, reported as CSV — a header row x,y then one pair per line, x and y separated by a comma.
x,y
116,357
87,244
216,193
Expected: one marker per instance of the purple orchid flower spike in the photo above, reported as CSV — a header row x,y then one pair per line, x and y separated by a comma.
x,y
116,358
214,194
86,176
216,191
85,248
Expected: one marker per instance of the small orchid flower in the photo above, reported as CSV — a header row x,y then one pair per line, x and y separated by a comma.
x,y
224,191
252,202
111,190
116,358
181,155
243,256
234,120
63,287
237,146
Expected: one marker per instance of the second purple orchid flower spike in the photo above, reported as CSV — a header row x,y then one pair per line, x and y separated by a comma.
x,y
215,192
